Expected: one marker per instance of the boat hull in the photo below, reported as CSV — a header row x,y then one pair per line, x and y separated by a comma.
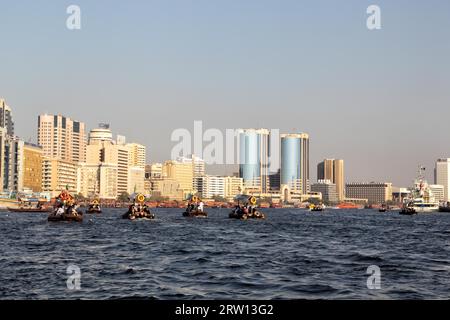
x,y
147,216
246,216
29,210
195,214
93,211
72,218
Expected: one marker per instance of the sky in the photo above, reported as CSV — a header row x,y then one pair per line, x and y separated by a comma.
x,y
378,99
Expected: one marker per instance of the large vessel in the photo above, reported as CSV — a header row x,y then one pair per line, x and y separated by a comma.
x,y
422,199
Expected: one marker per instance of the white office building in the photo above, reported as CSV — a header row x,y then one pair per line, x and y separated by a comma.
x,y
442,176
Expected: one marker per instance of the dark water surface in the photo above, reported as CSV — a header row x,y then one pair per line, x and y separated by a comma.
x,y
294,254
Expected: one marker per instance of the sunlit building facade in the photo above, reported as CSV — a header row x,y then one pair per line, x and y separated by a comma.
x,y
254,150
295,162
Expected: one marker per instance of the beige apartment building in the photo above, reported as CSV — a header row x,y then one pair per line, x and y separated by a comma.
x,y
117,168
62,138
374,192
233,187
181,172
169,188
137,155
32,167
58,175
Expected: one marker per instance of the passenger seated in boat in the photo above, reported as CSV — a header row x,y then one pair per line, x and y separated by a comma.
x,y
200,206
59,210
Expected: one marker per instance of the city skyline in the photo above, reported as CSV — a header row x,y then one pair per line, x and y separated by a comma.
x,y
296,66
224,170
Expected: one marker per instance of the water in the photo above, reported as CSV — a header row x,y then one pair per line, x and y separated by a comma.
x,y
294,254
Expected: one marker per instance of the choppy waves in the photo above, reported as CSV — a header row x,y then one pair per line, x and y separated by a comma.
x,y
294,254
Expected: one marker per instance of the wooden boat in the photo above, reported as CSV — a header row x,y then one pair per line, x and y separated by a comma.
x,y
67,202
138,210
65,217
248,210
139,215
409,211
244,216
316,208
192,209
94,207
25,210
93,211
444,207
195,213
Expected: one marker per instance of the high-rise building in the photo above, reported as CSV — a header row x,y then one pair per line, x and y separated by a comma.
x,y
333,170
62,138
12,159
295,162
442,176
253,147
58,175
167,188
218,186
117,168
212,186
10,152
153,170
32,167
233,187
374,192
6,120
327,189
180,172
137,155
438,192
198,169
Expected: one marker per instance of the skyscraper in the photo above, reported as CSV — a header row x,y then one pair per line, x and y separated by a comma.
x,y
6,120
32,167
253,146
442,176
198,169
112,167
295,162
11,152
138,153
333,170
62,138
182,173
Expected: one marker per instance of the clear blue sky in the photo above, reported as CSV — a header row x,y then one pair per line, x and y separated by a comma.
x,y
378,99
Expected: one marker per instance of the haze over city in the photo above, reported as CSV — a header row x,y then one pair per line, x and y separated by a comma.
x,y
377,99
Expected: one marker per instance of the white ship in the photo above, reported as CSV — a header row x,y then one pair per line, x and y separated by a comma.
x,y
422,199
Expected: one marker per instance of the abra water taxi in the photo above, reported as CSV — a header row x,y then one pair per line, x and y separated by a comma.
x,y
138,210
94,207
65,209
246,210
195,208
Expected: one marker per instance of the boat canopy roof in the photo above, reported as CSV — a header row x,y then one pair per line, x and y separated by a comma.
x,y
30,200
242,197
